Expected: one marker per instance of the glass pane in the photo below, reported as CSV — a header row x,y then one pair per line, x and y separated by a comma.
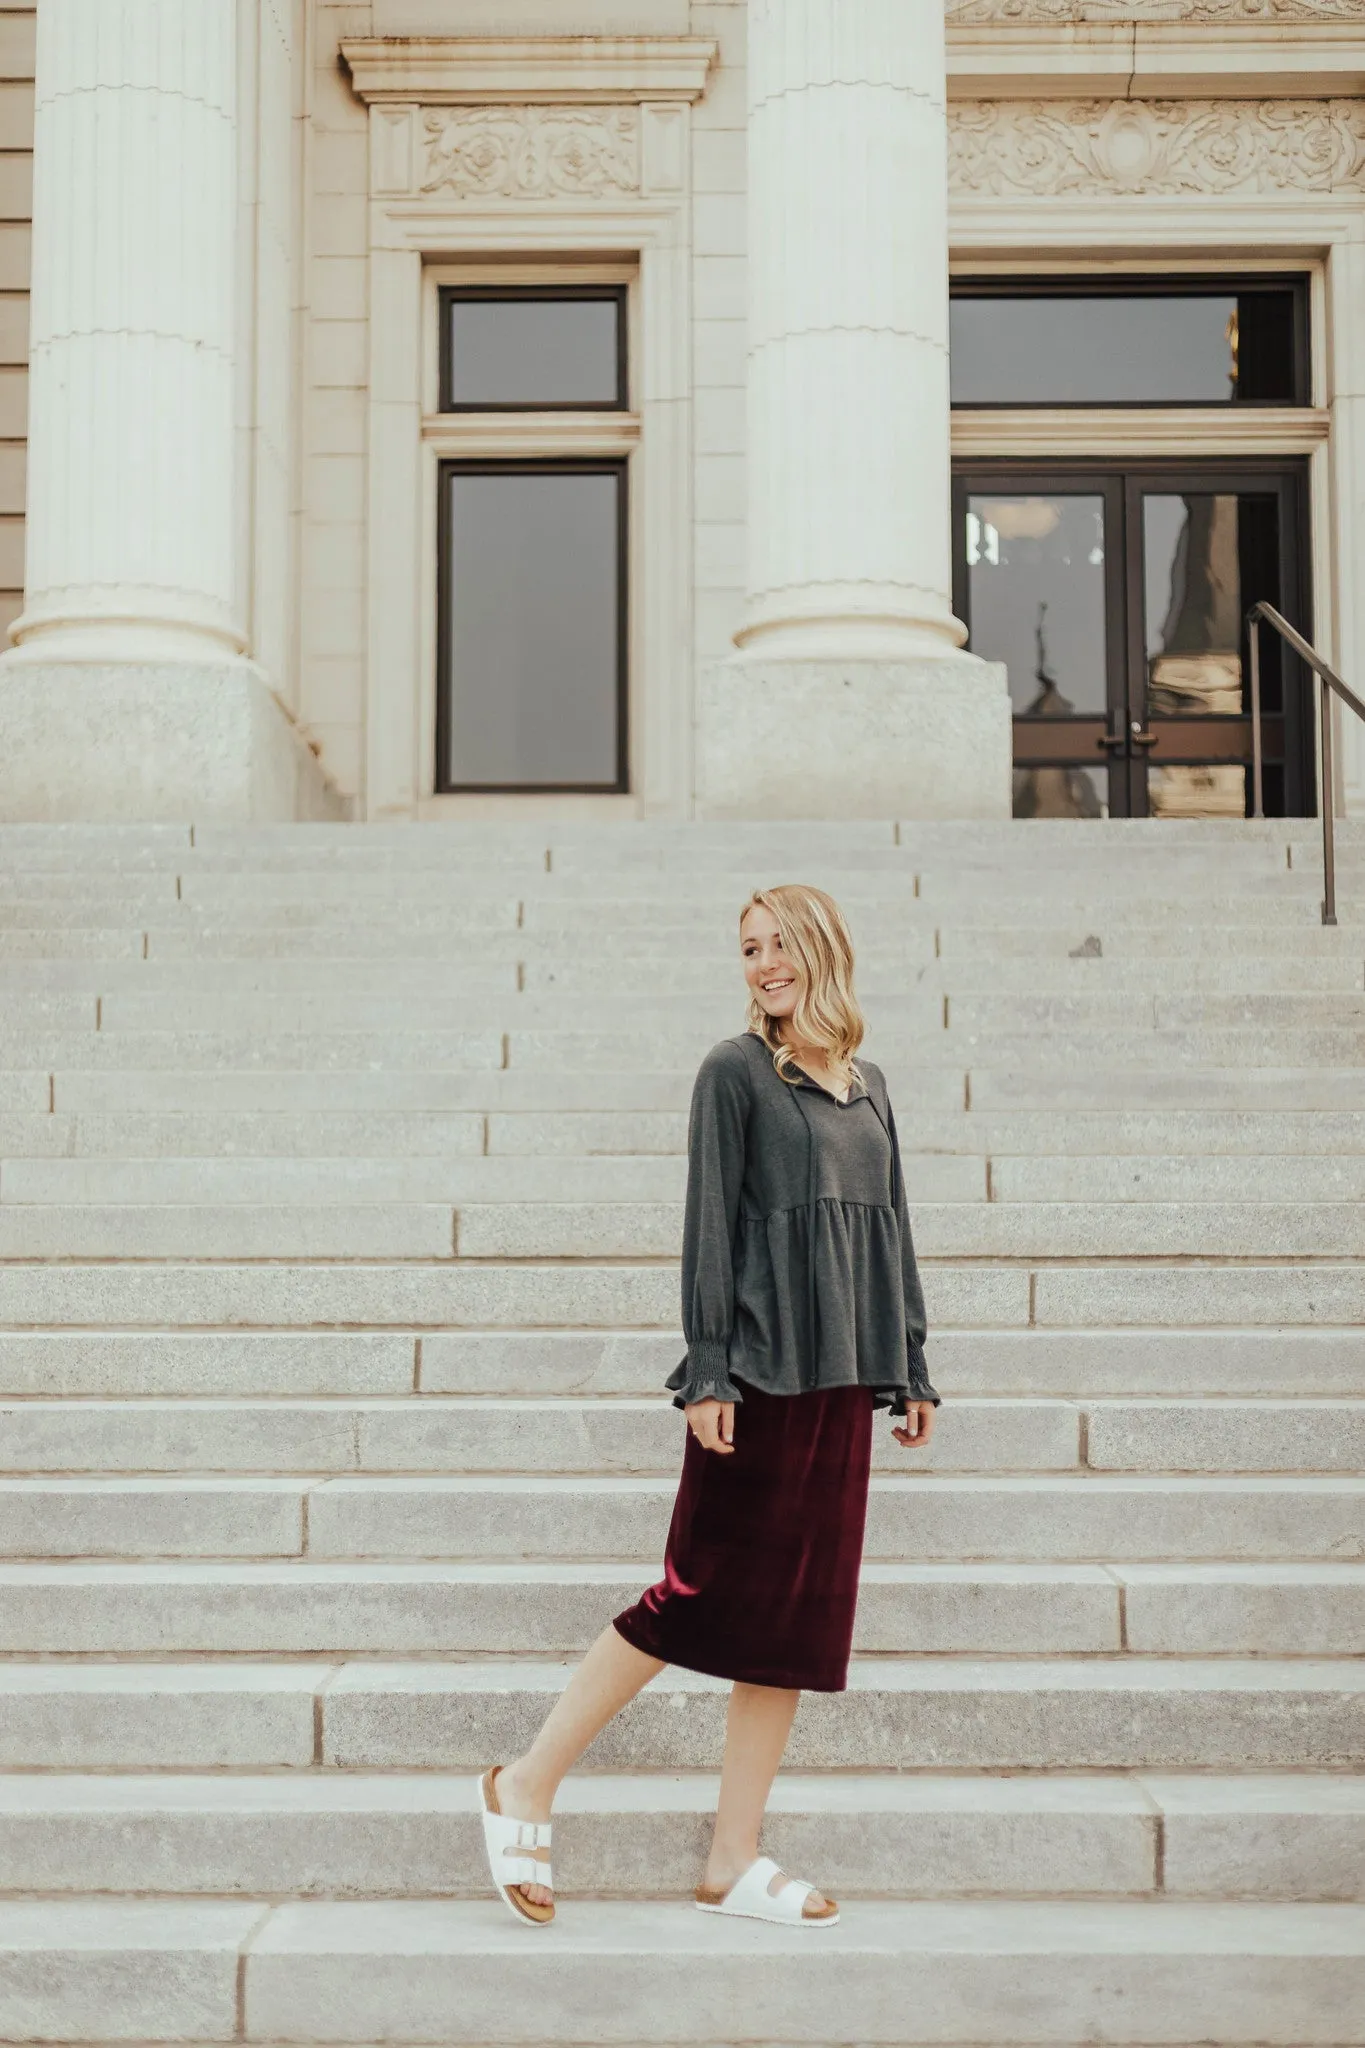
x,y
1061,792
1146,348
1193,639
518,351
1035,576
532,588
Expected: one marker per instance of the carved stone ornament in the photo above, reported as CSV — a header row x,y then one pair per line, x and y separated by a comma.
x,y
1040,147
1153,10
537,152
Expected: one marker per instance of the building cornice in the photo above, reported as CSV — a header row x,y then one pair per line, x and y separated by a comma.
x,y
527,70
1166,60
1288,12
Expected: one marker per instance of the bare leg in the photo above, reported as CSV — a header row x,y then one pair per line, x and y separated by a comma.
x,y
756,1732
608,1679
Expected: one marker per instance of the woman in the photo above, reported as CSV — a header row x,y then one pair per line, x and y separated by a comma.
x,y
803,1312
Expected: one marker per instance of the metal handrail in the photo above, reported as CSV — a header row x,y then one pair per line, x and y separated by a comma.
x,y
1329,681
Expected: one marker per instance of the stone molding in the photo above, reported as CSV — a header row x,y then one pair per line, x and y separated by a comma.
x,y
1195,11
530,152
477,71
1038,148
1018,57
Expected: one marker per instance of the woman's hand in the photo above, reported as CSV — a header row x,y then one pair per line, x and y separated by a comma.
x,y
712,1423
916,1426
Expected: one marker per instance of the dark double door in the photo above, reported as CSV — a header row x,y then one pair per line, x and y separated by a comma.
x,y
1117,596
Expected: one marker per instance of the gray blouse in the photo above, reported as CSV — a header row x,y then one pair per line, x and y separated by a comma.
x,y
798,1267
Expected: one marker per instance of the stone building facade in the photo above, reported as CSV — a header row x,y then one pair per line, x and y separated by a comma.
x,y
448,407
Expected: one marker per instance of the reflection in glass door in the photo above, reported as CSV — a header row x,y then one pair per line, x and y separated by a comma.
x,y
1117,602
1038,570
1207,555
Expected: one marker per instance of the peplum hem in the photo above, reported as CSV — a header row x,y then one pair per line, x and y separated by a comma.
x,y
819,1302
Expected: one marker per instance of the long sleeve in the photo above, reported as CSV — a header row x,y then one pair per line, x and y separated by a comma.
x,y
916,1327
715,1174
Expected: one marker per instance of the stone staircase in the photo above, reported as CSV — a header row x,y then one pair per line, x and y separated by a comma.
x,y
340,1182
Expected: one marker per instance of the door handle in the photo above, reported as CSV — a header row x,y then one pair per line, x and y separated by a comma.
x,y
1139,738
1114,742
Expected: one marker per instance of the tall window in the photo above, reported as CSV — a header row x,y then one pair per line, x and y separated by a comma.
x,y
533,543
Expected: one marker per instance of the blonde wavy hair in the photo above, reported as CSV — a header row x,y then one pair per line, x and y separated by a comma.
x,y
816,940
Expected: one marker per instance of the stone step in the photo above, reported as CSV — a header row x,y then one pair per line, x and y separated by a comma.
x,y
932,1520
938,1520
442,841
915,1002
633,1973
1098,1088
903,1052
104,1970
1196,1142
483,1609
1089,1229
376,1295
472,898
1178,1177
496,969
86,1713
514,967
436,1434
473,1295
1230,1179
1076,936
86,1969
1287,1365
1050,969
502,1435
510,1177
518,1230
998,1089
41,942
927,1835
287,1135
301,954
399,1091
241,1231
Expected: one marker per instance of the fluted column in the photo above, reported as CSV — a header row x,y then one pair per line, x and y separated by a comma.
x,y
130,693
130,506
850,694
848,330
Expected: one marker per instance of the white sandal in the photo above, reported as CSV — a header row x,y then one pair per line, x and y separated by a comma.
x,y
750,1899
518,1854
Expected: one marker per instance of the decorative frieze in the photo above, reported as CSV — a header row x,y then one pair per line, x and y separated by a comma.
x,y
531,152
1040,148
1253,11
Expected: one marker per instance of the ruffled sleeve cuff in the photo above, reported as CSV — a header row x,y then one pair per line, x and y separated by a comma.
x,y
704,1375
919,1388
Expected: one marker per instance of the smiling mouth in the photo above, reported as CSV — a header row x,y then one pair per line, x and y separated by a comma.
x,y
775,988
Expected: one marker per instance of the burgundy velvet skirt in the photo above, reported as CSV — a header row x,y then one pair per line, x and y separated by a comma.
x,y
761,1570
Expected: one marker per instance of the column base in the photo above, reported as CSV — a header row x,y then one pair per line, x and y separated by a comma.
x,y
927,738
121,743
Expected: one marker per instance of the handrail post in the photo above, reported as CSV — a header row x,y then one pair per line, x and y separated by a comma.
x,y
1257,793
1329,840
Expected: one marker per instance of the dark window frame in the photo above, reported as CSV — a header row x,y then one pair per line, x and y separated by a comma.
x,y
502,294
617,466
1287,476
1152,285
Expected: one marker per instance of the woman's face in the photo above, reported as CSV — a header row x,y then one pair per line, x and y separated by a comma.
x,y
771,976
